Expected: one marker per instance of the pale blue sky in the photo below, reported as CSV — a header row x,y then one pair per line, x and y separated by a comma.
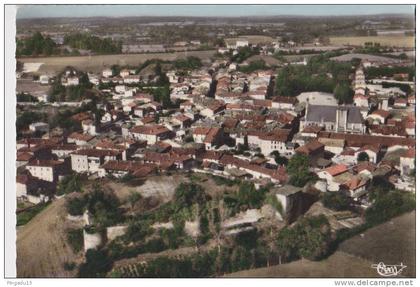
x,y
41,11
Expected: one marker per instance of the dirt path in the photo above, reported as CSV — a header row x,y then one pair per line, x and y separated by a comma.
x,y
41,244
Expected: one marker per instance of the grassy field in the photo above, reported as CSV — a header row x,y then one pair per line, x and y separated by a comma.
x,y
338,265
393,41
392,242
97,63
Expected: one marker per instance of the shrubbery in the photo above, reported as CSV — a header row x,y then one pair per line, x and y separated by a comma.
x,y
335,200
309,238
75,239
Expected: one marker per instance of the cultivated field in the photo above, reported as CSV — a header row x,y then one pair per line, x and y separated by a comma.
x,y
97,63
393,41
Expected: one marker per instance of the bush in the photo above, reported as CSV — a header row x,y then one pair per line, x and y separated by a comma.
x,y
70,183
335,200
271,199
390,205
69,266
308,238
97,264
253,66
75,239
190,63
76,206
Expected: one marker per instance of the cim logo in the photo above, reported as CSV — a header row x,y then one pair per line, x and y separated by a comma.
x,y
388,270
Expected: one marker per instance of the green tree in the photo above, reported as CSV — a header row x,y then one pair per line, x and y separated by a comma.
x,y
97,264
309,238
76,206
248,196
343,93
363,156
389,205
70,183
298,170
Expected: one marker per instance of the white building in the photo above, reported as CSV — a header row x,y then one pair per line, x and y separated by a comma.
x,y
47,170
39,127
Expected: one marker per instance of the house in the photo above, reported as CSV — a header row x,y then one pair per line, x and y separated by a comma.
x,y
212,109
345,157
346,119
407,162
70,81
257,171
330,176
170,159
182,120
334,146
89,160
131,79
371,150
48,170
284,103
356,186
89,127
62,151
80,139
107,73
39,127
44,79
151,133
124,73
33,189
400,103
313,149
379,116
118,169
24,184
411,100
275,140
211,137
291,200
23,158
364,168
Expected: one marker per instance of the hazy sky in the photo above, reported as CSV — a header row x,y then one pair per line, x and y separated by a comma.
x,y
41,11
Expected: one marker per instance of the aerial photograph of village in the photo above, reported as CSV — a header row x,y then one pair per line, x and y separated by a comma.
x,y
203,141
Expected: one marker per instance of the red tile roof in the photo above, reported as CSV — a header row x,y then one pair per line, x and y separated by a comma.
x,y
356,140
46,163
81,137
311,147
97,152
411,153
149,130
336,169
